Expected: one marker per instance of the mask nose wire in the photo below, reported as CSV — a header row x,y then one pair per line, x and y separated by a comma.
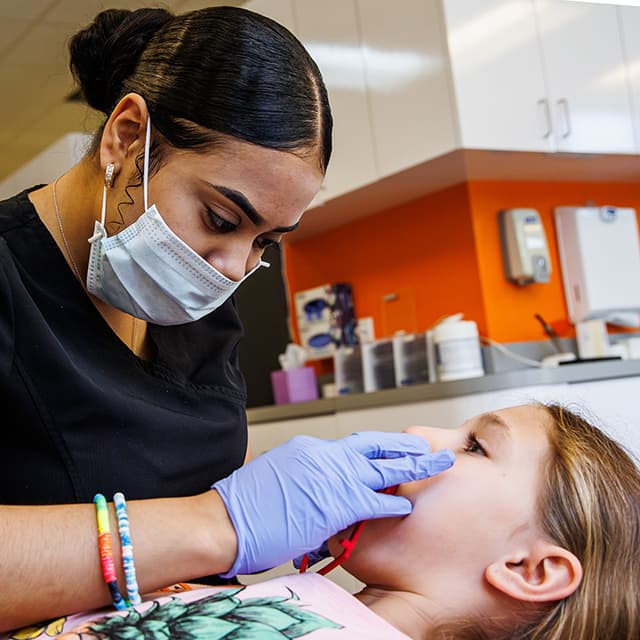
x,y
145,168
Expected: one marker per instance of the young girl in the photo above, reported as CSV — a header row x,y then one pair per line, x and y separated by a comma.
x,y
532,534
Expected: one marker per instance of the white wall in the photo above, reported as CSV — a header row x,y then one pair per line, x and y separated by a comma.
x,y
47,165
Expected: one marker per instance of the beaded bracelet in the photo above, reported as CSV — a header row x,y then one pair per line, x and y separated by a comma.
x,y
126,549
106,551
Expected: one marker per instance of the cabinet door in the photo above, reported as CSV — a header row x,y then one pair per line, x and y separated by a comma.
x,y
329,30
498,76
407,82
630,21
585,69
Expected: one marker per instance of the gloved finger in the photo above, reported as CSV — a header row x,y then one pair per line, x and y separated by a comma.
x,y
314,556
391,472
380,444
384,505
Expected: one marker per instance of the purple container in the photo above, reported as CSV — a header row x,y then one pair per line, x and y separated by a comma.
x,y
294,385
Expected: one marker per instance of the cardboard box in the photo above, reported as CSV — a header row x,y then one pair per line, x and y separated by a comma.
x,y
326,319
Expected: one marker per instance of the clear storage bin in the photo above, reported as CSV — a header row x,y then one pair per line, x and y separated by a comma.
x,y
410,359
377,365
347,368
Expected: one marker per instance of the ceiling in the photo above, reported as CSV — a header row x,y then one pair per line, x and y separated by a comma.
x,y
34,72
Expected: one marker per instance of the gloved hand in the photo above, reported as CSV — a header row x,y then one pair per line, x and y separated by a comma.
x,y
314,556
290,500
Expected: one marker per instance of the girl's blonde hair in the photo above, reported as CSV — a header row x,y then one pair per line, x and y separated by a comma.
x,y
589,505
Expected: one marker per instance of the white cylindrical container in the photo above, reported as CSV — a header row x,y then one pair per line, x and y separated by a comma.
x,y
457,350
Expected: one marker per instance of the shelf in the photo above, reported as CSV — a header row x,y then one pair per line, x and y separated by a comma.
x,y
569,373
464,165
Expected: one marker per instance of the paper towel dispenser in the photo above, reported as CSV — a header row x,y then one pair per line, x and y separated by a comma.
x,y
599,252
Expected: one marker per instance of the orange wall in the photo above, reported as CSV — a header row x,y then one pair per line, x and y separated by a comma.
x,y
441,255
424,252
510,309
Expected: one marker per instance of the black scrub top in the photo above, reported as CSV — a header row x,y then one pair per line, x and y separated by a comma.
x,y
81,413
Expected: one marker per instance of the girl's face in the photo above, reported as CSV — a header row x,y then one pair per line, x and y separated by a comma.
x,y
467,517
231,203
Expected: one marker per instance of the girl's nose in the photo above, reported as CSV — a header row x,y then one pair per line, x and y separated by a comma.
x,y
437,438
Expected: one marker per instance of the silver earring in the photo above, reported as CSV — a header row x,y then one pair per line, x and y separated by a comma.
x,y
109,175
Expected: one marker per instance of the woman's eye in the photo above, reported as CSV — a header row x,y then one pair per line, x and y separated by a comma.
x,y
473,446
219,223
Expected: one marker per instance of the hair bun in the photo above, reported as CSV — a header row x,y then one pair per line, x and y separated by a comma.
x,y
105,54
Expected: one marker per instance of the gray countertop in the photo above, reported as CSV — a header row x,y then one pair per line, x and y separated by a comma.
x,y
566,373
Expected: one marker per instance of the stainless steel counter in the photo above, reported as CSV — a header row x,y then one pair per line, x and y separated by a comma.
x,y
566,373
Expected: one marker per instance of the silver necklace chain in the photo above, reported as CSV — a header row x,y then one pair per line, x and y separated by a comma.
x,y
64,238
134,337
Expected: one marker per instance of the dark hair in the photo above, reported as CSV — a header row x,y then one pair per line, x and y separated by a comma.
x,y
220,70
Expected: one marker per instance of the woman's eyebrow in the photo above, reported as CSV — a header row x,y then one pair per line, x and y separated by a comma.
x,y
240,200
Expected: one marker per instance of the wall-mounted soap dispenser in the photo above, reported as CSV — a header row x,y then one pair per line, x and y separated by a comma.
x,y
524,246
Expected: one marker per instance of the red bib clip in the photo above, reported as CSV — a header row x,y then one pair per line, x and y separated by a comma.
x,y
347,544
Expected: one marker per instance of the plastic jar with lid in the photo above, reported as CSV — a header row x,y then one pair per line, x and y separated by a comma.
x,y
457,350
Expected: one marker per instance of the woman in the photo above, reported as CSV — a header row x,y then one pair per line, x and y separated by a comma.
x,y
533,534
118,332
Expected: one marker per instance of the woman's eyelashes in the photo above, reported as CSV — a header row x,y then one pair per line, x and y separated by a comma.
x,y
472,445
264,243
220,224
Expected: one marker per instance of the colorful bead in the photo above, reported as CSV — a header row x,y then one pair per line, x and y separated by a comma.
x,y
126,549
106,551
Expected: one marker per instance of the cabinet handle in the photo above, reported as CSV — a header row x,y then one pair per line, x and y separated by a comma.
x,y
543,108
563,104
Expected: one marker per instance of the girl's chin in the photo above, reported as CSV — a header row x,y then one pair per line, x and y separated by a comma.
x,y
334,542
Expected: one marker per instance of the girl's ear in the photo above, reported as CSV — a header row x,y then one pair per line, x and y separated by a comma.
x,y
543,574
124,131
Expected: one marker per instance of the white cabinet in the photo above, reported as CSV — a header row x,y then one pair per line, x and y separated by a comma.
x,y
497,75
585,69
608,403
267,435
329,31
407,82
539,75
414,81
629,18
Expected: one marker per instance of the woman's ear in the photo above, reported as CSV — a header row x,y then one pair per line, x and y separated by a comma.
x,y
124,131
543,574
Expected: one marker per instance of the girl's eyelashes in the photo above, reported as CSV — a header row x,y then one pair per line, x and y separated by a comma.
x,y
219,223
472,445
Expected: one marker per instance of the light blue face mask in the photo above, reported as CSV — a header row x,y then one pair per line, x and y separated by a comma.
x,y
147,271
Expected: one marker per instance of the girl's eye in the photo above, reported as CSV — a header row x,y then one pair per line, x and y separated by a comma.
x,y
264,243
473,446
219,223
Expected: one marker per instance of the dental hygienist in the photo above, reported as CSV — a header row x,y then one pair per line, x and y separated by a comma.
x,y
118,333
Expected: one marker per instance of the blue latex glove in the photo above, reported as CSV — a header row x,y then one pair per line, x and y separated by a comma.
x,y
314,556
290,500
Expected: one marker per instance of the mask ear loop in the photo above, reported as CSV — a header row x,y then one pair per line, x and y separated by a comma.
x,y
347,544
145,169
